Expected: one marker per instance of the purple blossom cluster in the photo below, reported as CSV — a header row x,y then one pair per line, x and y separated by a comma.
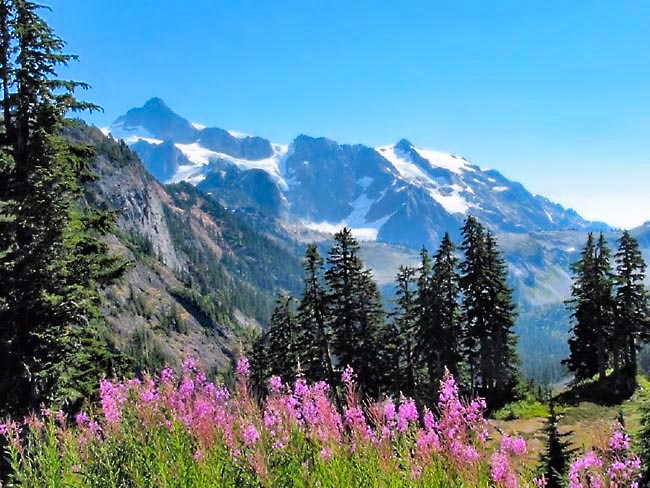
x,y
453,437
616,467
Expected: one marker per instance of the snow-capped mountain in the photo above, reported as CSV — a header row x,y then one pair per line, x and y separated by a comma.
x,y
397,193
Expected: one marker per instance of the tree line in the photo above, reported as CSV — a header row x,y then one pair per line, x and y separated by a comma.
x,y
449,312
610,311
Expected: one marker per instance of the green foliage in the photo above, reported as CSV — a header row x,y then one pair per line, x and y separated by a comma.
x,y
354,312
341,322
167,456
557,454
52,256
488,311
250,269
644,438
439,328
528,407
401,335
610,313
146,351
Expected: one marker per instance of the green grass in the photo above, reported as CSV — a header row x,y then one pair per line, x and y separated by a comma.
x,y
526,408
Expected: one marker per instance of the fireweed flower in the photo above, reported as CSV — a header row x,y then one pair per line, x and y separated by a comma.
x,y
112,397
540,482
620,441
389,410
275,384
82,418
513,445
250,435
348,375
243,367
617,468
407,414
501,472
190,366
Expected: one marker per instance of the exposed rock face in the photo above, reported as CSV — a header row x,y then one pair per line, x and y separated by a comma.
x,y
194,264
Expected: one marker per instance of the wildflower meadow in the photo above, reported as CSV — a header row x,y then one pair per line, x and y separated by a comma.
x,y
185,431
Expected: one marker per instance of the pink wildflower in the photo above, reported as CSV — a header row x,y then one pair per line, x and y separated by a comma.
x,y
407,414
501,472
326,454
348,375
540,482
250,435
275,384
620,441
82,420
243,367
513,445
389,410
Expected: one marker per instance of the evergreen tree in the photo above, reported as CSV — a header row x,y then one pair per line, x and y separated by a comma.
x,y
440,333
259,365
605,304
311,317
583,358
354,312
631,318
282,355
402,364
53,342
474,299
592,306
499,359
488,312
557,454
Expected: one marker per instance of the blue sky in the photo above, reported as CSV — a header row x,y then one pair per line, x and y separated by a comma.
x,y
554,94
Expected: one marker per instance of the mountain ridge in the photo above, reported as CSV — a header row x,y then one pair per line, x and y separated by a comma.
x,y
397,193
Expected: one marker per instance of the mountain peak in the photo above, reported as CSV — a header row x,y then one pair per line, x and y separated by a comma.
x,y
404,145
157,120
156,103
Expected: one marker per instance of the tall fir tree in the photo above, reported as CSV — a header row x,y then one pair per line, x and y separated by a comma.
x,y
583,358
315,344
282,356
499,359
605,304
592,304
354,312
474,299
440,333
631,321
402,361
53,342
489,317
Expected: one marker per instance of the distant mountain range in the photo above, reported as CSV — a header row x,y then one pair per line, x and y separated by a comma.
x,y
397,193
396,198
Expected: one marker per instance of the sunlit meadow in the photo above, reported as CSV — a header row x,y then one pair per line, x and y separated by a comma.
x,y
186,431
